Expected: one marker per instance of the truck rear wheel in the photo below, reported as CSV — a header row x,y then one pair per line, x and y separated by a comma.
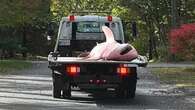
x,y
126,90
132,90
66,92
56,92
56,86
125,93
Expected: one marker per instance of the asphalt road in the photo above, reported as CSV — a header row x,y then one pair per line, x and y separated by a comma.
x,y
32,90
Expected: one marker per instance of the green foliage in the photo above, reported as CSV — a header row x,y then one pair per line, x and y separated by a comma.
x,y
22,12
163,53
30,18
9,47
156,17
9,44
61,8
20,19
141,44
13,65
181,77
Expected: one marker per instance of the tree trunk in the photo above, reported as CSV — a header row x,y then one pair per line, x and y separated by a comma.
x,y
24,52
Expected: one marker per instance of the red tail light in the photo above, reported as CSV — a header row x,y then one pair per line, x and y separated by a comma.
x,y
73,70
109,18
71,18
123,71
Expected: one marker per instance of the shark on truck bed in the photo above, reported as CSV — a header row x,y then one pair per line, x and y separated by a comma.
x,y
111,49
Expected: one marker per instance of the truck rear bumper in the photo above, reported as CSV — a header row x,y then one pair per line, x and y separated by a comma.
x,y
103,82
97,86
90,82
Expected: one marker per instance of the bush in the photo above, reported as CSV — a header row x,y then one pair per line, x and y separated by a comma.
x,y
182,42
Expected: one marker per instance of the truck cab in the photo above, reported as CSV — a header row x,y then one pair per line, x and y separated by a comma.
x,y
79,34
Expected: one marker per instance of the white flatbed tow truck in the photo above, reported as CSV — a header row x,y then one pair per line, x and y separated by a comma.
x,y
80,34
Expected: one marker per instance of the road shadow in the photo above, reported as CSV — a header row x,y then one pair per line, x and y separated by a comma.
x,y
108,100
32,90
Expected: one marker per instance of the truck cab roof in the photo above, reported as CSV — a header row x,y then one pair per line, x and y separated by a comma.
x,y
82,33
92,18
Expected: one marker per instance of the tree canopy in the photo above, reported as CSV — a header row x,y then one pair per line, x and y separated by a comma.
x,y
154,19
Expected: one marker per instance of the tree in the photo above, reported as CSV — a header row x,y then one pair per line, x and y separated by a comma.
x,y
22,16
62,8
157,17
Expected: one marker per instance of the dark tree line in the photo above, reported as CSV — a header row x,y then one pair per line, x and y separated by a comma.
x,y
23,24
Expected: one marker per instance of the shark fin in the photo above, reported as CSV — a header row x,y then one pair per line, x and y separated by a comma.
x,y
108,33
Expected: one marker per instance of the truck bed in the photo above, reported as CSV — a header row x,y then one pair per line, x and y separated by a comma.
x,y
139,62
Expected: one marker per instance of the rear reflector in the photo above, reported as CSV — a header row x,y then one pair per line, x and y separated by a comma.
x,y
91,81
97,81
73,70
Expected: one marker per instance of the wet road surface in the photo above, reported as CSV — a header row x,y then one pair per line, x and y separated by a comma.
x,y
32,90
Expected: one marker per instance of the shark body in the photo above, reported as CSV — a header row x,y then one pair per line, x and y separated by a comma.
x,y
111,49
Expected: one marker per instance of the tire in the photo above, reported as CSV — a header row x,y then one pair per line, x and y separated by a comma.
x,y
125,93
120,92
132,88
132,91
126,89
66,92
57,86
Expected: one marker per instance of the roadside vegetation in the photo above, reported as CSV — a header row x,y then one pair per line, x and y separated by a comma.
x,y
181,77
7,66
157,37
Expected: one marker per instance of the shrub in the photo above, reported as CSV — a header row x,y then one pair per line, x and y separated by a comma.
x,y
182,41
8,48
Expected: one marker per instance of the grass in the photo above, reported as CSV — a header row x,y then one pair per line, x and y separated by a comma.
x,y
7,66
181,77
